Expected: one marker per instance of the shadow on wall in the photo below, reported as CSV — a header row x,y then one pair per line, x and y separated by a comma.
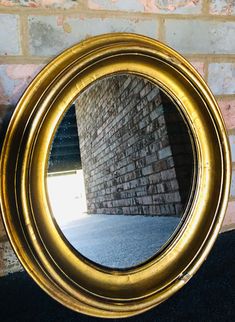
x,y
5,116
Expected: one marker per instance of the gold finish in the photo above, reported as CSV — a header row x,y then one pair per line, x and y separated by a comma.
x,y
38,243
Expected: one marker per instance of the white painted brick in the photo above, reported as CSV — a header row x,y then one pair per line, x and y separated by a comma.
x,y
9,35
206,37
221,77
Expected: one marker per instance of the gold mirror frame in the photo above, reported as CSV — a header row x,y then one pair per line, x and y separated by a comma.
x,y
47,257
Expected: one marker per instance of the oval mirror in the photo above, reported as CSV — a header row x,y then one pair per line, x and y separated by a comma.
x,y
120,171
115,175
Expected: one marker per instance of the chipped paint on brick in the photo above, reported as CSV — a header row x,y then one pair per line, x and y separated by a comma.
x,y
60,20
150,6
119,5
63,4
13,81
222,7
6,3
49,35
227,107
94,5
67,27
171,6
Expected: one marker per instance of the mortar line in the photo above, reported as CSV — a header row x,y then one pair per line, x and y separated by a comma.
x,y
23,35
231,131
206,70
211,57
206,7
225,96
161,29
24,59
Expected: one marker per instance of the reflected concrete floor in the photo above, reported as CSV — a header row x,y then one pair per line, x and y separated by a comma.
x,y
119,241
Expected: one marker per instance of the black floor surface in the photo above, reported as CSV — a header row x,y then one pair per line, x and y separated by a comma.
x,y
208,296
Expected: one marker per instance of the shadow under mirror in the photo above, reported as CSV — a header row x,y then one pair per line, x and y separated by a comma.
x,y
120,171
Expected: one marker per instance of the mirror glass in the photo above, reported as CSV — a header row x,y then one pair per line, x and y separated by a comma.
x,y
120,171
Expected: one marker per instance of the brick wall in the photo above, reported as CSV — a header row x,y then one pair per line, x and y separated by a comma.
x,y
33,32
129,149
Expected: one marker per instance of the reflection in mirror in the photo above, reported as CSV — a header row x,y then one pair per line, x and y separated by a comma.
x,y
120,171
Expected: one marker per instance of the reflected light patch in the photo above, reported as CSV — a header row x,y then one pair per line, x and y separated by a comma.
x,y
67,197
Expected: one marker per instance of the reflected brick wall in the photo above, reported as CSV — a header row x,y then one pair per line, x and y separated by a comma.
x,y
127,139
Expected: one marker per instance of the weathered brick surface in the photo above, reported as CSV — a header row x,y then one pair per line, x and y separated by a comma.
x,y
130,140
221,77
154,6
200,36
227,107
222,7
8,261
14,79
49,35
9,35
232,146
64,4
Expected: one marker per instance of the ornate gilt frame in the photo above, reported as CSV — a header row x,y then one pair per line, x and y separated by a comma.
x,y
47,257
